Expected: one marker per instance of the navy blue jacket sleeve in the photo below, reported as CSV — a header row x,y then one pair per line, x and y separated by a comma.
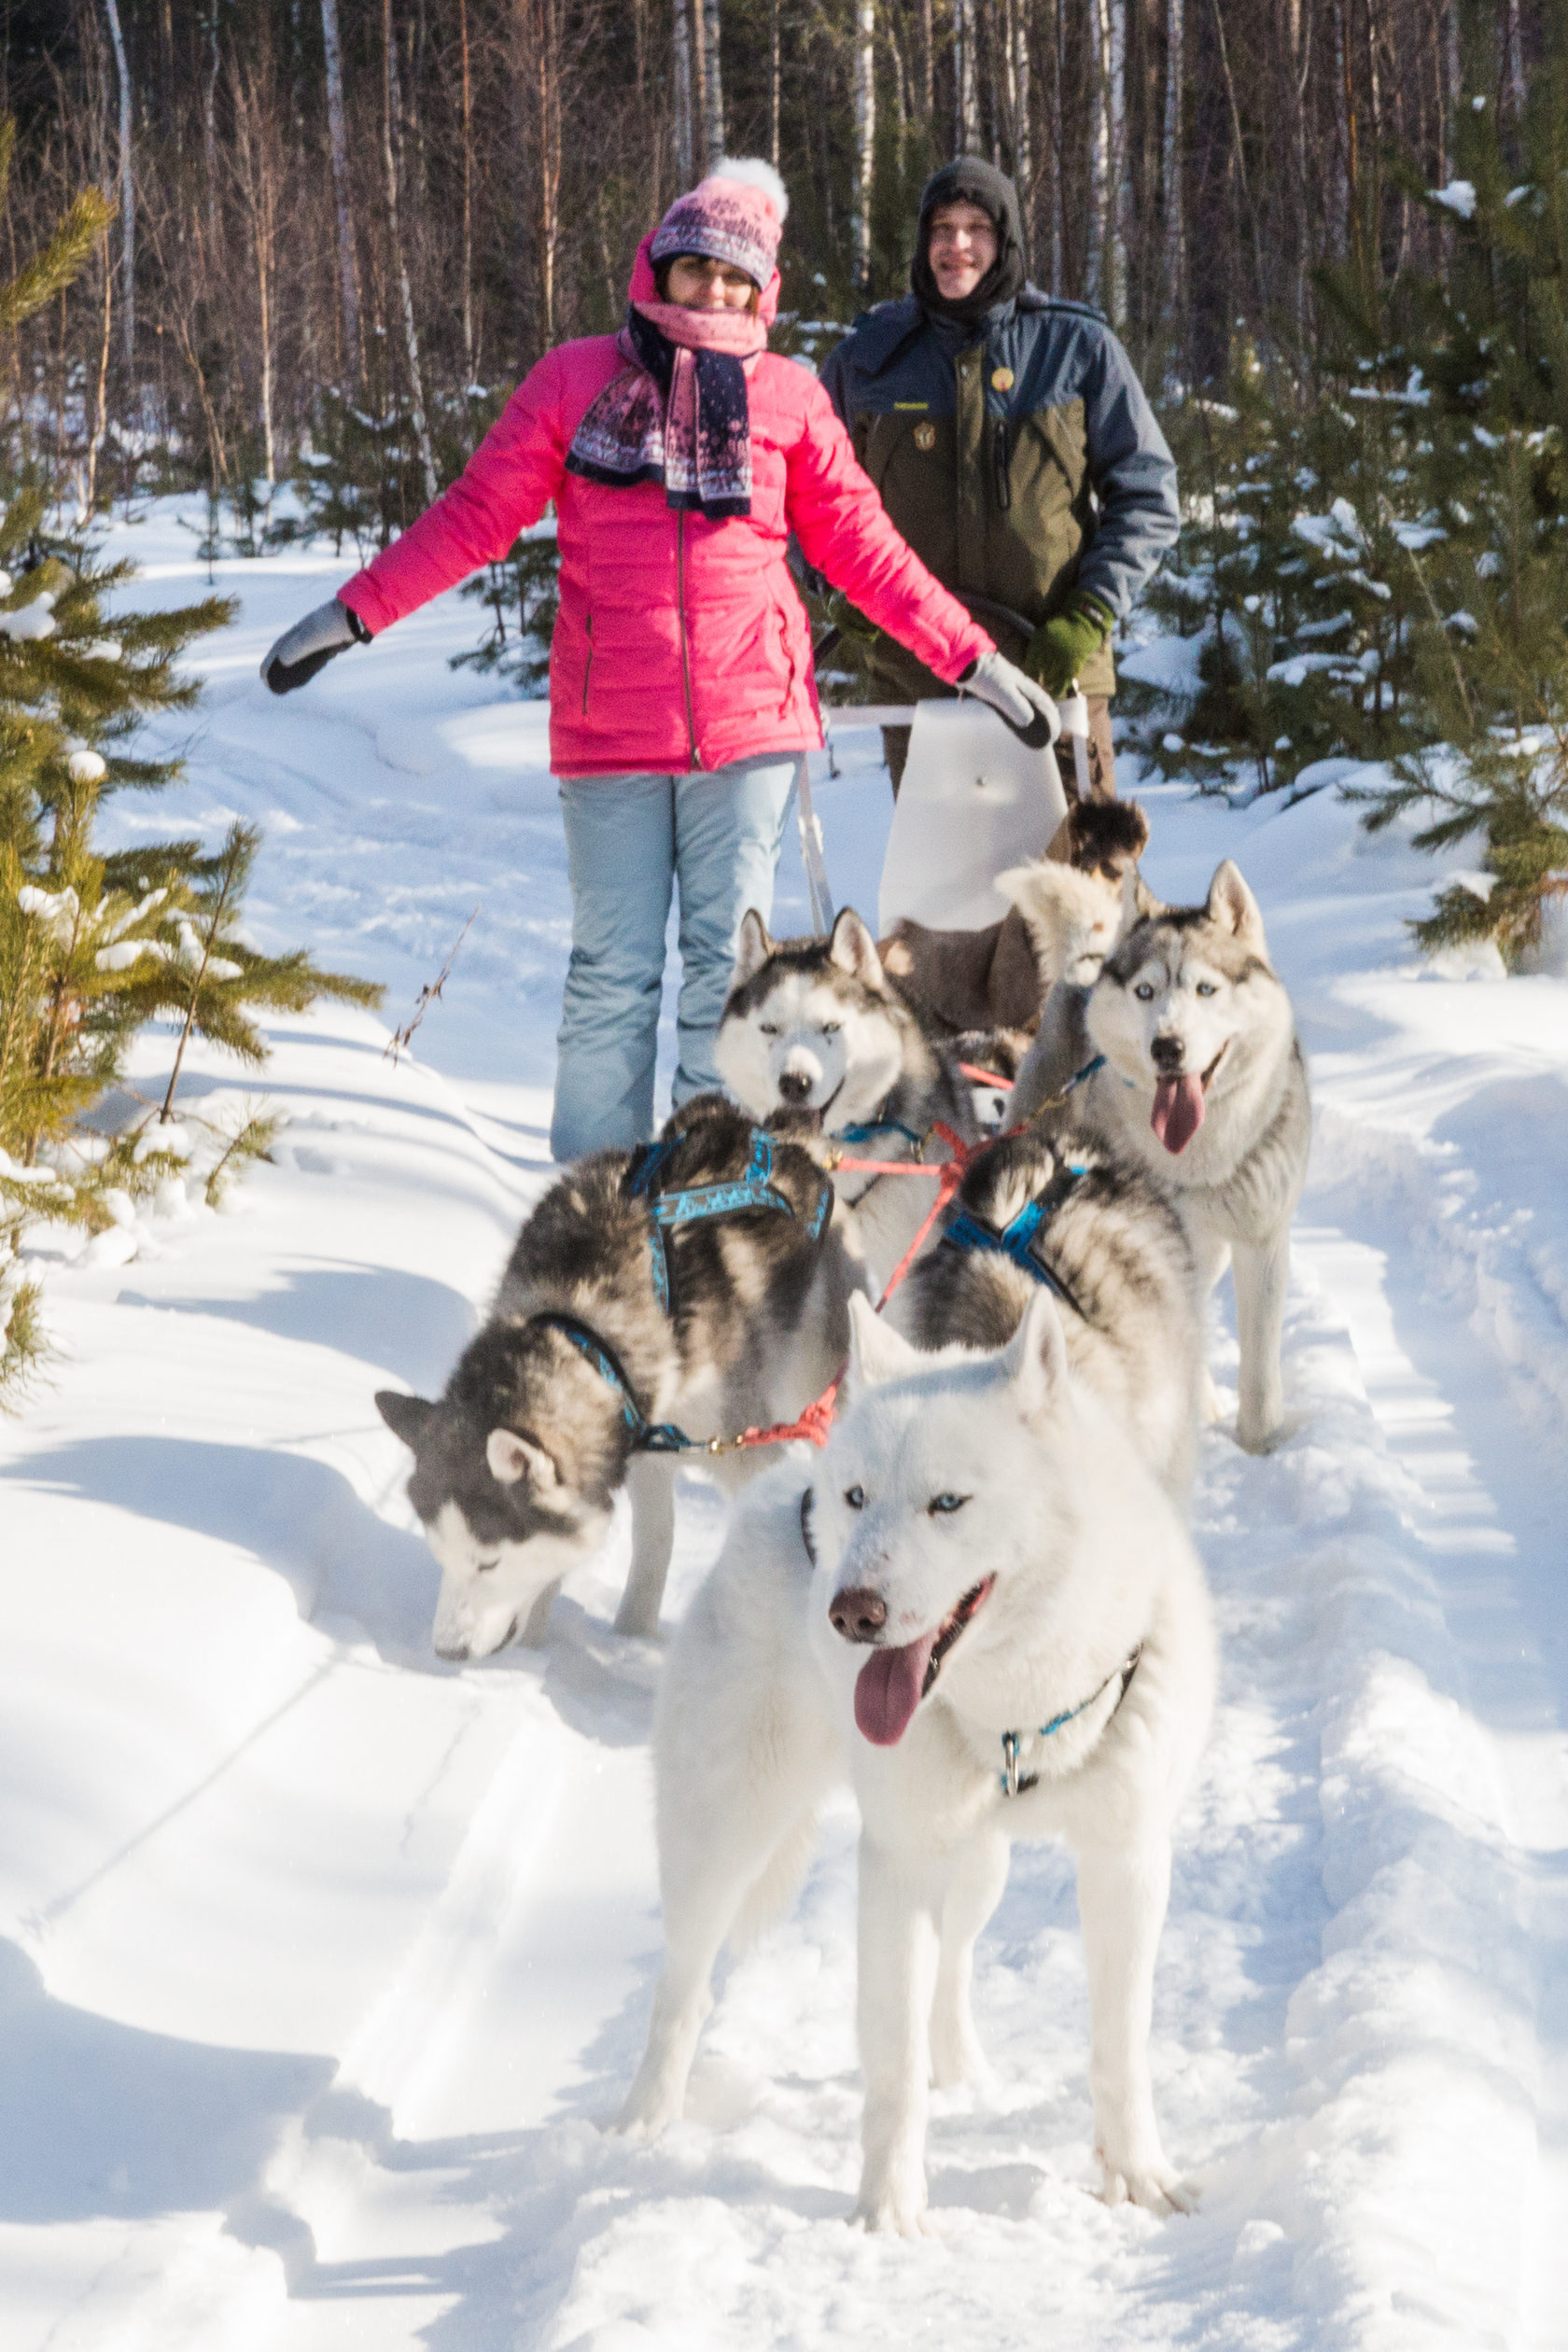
x,y
1134,479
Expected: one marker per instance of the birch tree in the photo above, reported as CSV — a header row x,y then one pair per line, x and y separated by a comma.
x,y
127,195
865,138
400,257
348,285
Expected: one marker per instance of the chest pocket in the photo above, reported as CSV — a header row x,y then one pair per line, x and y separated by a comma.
x,y
912,459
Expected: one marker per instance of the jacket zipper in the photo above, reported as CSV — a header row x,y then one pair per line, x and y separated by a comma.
x,y
1000,453
685,647
588,667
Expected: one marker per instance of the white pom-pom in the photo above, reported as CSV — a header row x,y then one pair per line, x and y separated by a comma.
x,y
751,171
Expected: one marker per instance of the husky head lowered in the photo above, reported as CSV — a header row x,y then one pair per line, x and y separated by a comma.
x,y
816,1025
514,1479
1073,916
1188,1007
961,1504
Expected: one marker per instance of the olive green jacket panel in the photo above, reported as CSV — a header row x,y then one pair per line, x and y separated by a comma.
x,y
1020,465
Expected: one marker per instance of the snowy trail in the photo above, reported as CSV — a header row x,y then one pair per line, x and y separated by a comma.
x,y
323,1964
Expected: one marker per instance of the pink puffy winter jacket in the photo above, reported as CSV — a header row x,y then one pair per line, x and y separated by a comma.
x,y
682,642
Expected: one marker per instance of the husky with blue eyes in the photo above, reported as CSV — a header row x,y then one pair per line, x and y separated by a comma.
x,y
815,1027
1183,1059
981,1607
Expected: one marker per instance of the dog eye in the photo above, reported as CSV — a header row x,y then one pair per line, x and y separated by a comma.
x,y
1145,993
830,1029
769,1029
482,1567
855,1497
940,1505
1206,987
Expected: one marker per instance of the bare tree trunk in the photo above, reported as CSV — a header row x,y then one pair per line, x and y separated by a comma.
x,y
1058,143
100,405
338,135
254,169
1021,98
966,80
865,139
1118,191
467,193
928,63
1172,159
776,48
399,259
127,197
1099,275
713,86
682,71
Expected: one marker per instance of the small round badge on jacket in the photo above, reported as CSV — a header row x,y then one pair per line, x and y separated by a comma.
x,y
1002,379
925,436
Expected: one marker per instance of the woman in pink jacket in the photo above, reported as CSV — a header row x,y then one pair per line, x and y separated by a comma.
x,y
681,453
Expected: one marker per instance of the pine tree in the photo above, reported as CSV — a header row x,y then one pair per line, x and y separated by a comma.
x,y
1494,652
91,947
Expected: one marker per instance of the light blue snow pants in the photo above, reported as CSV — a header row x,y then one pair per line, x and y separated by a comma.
x,y
631,842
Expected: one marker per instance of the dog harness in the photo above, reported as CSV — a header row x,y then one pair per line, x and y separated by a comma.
x,y
694,1206
1013,1783
647,1436
698,1202
1016,1240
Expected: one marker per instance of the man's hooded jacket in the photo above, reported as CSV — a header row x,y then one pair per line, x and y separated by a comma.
x,y
1010,441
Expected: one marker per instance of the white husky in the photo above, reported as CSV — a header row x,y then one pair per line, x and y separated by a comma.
x,y
981,1604
1182,1058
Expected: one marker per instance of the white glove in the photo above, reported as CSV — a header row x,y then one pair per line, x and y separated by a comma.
x,y
1027,708
311,644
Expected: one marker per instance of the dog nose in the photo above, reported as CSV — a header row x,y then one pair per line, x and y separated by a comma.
x,y
794,1084
1168,1053
858,1613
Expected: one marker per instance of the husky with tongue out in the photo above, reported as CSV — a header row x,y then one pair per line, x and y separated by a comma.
x,y
980,1606
1183,1056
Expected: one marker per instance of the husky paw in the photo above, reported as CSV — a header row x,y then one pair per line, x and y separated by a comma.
x,y
1154,2187
637,1623
891,2216
1254,1437
648,2108
894,2202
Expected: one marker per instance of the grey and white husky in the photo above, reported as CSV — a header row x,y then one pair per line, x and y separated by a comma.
x,y
608,1327
1182,1058
1041,1210
815,1027
981,1607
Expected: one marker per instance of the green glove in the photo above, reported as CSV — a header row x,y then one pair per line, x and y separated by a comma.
x,y
1063,646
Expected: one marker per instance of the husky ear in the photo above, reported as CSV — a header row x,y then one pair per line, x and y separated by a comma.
x,y
853,949
1233,908
876,1351
404,1415
513,1458
752,948
1035,1358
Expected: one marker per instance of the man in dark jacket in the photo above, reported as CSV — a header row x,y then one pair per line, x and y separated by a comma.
x,y
1015,448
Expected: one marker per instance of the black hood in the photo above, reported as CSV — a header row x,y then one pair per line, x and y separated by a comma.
x,y
970,181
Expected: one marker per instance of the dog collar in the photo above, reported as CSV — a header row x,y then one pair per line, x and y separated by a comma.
x,y
1013,1783
647,1436
1016,1241
865,1128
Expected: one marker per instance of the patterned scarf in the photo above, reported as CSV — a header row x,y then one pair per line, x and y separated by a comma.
x,y
679,413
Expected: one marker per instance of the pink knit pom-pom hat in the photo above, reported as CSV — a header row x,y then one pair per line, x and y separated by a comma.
x,y
735,214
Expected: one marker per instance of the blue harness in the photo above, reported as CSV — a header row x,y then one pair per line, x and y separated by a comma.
x,y
754,1190
1015,1783
647,1436
1016,1241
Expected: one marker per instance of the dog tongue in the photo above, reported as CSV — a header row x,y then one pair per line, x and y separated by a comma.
x,y
888,1689
1178,1112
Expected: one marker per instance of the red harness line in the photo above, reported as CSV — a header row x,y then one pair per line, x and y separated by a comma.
x,y
987,1077
816,1423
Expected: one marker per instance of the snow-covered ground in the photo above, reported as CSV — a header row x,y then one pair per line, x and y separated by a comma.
x,y
323,1964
